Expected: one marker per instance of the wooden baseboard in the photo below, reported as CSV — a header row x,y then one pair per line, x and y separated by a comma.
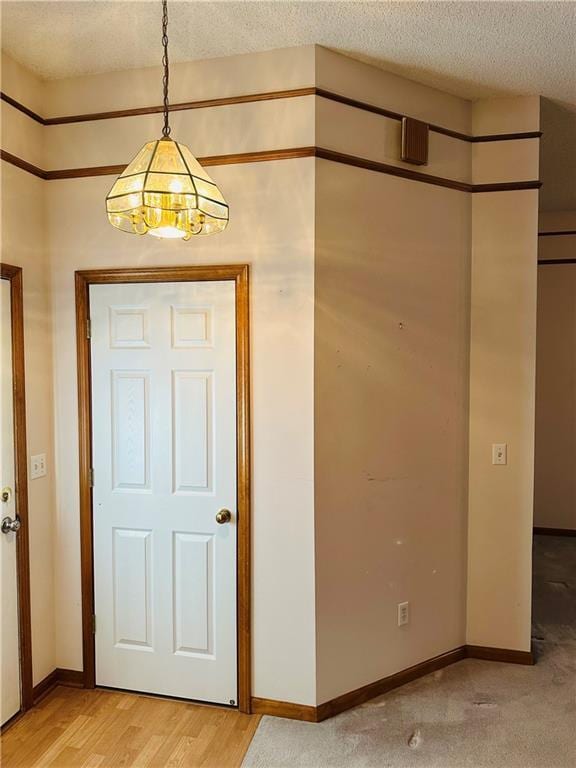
x,y
284,709
12,721
499,654
538,531
370,691
311,714
45,686
70,678
351,699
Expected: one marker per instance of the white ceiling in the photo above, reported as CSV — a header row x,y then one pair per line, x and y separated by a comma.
x,y
472,49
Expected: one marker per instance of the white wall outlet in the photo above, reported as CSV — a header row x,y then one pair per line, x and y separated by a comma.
x,y
499,453
403,614
37,466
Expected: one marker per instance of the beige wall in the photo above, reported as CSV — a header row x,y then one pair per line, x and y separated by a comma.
x,y
555,479
559,246
555,221
272,229
340,257
24,244
381,469
343,128
373,85
352,131
280,69
555,474
502,385
22,136
502,375
276,238
512,114
391,421
267,125
391,383
558,157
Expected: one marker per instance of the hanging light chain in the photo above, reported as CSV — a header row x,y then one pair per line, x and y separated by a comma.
x,y
165,79
157,193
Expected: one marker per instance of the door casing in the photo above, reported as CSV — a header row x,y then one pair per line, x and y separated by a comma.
x,y
239,274
14,276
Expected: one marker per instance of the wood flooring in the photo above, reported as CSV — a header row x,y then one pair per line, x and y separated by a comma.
x,y
72,728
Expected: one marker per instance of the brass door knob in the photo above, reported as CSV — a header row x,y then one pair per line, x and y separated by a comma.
x,y
223,516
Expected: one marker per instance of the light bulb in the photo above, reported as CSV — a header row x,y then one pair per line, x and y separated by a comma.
x,y
171,233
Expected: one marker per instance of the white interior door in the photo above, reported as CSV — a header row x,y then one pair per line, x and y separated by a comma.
x,y
9,638
164,458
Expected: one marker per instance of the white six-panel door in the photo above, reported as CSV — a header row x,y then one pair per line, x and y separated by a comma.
x,y
163,361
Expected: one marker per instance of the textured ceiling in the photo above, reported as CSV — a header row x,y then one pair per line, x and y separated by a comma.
x,y
471,49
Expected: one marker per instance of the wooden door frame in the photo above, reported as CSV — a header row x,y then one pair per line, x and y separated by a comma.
x,y
14,276
239,274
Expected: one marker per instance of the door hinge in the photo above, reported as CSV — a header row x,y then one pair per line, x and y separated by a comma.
x,y
91,477
93,623
88,328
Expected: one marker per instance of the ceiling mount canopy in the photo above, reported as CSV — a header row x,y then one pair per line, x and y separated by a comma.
x,y
165,191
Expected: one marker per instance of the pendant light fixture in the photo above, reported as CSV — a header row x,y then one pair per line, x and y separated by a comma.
x,y
164,191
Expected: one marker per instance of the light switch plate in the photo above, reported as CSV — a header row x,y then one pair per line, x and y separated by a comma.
x,y
37,466
499,453
403,613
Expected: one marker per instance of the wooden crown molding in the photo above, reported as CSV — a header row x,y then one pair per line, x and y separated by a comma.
x,y
255,97
24,165
506,186
425,178
544,262
558,233
284,154
21,108
434,128
178,107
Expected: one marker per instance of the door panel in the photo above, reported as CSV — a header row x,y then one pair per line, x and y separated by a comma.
x,y
9,640
130,430
193,593
193,422
131,566
164,456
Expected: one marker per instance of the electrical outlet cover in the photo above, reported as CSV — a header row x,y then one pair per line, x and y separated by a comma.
x,y
499,453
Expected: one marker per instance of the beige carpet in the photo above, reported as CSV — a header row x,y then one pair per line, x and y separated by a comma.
x,y
475,713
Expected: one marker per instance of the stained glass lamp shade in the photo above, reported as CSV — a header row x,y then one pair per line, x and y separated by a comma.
x,y
165,192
